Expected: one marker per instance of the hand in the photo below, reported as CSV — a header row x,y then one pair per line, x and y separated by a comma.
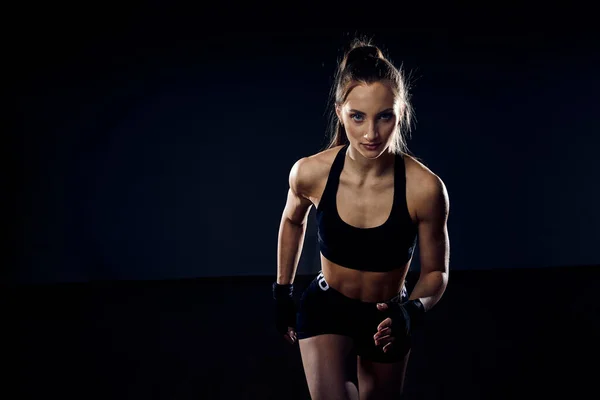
x,y
403,318
290,336
384,336
285,312
285,321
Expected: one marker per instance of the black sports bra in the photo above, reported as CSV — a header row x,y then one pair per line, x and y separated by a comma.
x,y
389,245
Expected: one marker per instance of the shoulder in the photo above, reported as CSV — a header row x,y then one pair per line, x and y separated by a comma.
x,y
309,173
427,189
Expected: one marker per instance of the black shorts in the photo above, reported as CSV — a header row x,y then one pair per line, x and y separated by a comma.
x,y
324,310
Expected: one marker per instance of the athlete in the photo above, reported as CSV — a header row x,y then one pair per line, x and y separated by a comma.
x,y
373,202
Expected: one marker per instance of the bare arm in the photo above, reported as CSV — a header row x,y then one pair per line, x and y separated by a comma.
x,y
292,228
432,214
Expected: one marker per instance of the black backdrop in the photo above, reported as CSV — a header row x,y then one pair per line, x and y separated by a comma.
x,y
152,142
153,148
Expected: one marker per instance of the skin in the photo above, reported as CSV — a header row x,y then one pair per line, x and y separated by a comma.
x,y
364,199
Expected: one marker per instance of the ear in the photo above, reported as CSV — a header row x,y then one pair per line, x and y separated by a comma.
x,y
338,112
401,111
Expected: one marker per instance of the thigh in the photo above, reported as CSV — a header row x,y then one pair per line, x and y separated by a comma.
x,y
381,381
324,358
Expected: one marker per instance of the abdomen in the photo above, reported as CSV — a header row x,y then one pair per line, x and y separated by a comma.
x,y
366,286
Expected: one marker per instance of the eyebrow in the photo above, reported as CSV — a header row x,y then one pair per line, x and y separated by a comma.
x,y
362,112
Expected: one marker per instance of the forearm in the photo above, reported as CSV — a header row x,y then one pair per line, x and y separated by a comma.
x,y
429,288
289,249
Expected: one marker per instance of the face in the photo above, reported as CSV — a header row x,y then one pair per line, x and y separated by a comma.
x,y
370,116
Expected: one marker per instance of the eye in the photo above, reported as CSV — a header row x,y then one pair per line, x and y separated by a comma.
x,y
356,117
386,116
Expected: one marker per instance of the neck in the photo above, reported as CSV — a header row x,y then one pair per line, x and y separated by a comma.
x,y
370,166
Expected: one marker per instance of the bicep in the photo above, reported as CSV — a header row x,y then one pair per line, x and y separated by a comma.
x,y
296,207
297,204
434,242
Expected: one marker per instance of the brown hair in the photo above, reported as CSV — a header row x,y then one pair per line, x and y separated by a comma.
x,y
365,63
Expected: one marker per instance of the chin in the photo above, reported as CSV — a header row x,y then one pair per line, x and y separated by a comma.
x,y
372,154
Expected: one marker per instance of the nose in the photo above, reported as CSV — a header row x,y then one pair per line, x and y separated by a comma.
x,y
371,133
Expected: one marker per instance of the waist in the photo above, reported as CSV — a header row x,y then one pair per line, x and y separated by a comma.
x,y
364,286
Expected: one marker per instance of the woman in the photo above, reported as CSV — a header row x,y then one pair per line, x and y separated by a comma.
x,y
372,203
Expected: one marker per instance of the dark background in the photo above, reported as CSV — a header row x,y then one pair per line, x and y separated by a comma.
x,y
152,156
152,151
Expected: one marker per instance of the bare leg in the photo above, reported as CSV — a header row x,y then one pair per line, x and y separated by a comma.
x,y
352,391
381,381
324,361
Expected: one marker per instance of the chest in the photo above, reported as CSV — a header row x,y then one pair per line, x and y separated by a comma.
x,y
365,204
